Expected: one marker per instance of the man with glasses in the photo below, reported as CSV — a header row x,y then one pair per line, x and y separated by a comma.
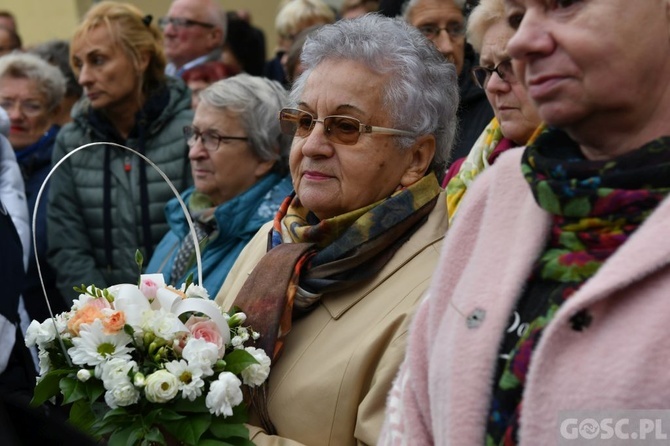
x,y
193,33
443,23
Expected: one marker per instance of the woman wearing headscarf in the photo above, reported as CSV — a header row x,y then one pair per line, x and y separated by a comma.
x,y
239,163
332,282
551,297
105,202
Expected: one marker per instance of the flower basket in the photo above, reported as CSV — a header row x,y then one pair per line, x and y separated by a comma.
x,y
148,363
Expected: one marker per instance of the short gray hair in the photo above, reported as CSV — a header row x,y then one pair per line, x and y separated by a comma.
x,y
257,101
408,7
48,78
422,92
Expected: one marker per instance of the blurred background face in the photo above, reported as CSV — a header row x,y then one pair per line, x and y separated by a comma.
x,y
186,43
516,113
27,110
6,42
429,14
108,76
232,168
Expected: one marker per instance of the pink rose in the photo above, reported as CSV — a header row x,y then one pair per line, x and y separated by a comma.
x,y
207,330
148,287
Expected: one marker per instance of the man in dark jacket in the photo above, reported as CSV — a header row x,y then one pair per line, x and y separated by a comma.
x,y
443,22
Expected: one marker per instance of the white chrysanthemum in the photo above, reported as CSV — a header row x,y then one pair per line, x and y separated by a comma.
x,y
202,354
116,371
189,376
197,291
94,346
161,386
256,374
163,324
123,394
224,394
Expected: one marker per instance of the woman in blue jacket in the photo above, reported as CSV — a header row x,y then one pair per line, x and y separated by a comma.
x,y
239,167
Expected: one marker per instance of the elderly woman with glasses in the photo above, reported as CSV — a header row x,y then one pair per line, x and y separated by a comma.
x,y
31,91
516,118
239,162
547,321
332,282
105,202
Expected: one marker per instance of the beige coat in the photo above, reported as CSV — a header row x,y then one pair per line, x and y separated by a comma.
x,y
329,387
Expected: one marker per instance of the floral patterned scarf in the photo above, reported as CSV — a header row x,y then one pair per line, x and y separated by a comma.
x,y
476,162
596,206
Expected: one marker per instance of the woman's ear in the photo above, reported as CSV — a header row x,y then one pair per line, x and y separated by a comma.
x,y
421,155
145,58
264,167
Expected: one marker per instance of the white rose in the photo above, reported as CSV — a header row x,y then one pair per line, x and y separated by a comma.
x,y
124,394
256,374
224,394
161,386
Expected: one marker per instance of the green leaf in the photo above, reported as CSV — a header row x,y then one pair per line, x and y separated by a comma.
x,y
169,415
47,387
82,416
238,360
224,430
125,437
72,389
190,429
154,436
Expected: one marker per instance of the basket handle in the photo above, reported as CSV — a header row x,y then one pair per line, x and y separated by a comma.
x,y
152,164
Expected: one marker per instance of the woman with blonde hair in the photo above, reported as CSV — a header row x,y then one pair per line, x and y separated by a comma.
x,y
104,202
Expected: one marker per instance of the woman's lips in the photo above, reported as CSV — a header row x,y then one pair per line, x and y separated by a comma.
x,y
316,176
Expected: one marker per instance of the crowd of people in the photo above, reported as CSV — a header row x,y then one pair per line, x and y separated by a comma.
x,y
444,217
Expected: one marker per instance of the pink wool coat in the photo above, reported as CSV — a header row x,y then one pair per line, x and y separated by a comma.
x,y
620,360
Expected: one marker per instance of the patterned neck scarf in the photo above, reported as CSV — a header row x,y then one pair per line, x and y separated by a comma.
x,y
309,257
202,213
476,162
596,206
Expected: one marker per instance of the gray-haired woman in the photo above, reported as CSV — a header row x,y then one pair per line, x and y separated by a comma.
x,y
352,251
31,91
239,165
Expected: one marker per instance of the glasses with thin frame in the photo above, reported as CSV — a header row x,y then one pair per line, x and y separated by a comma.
x,y
210,140
454,30
179,22
28,108
338,129
482,75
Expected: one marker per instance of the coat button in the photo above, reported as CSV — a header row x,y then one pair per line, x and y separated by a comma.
x,y
475,318
580,320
